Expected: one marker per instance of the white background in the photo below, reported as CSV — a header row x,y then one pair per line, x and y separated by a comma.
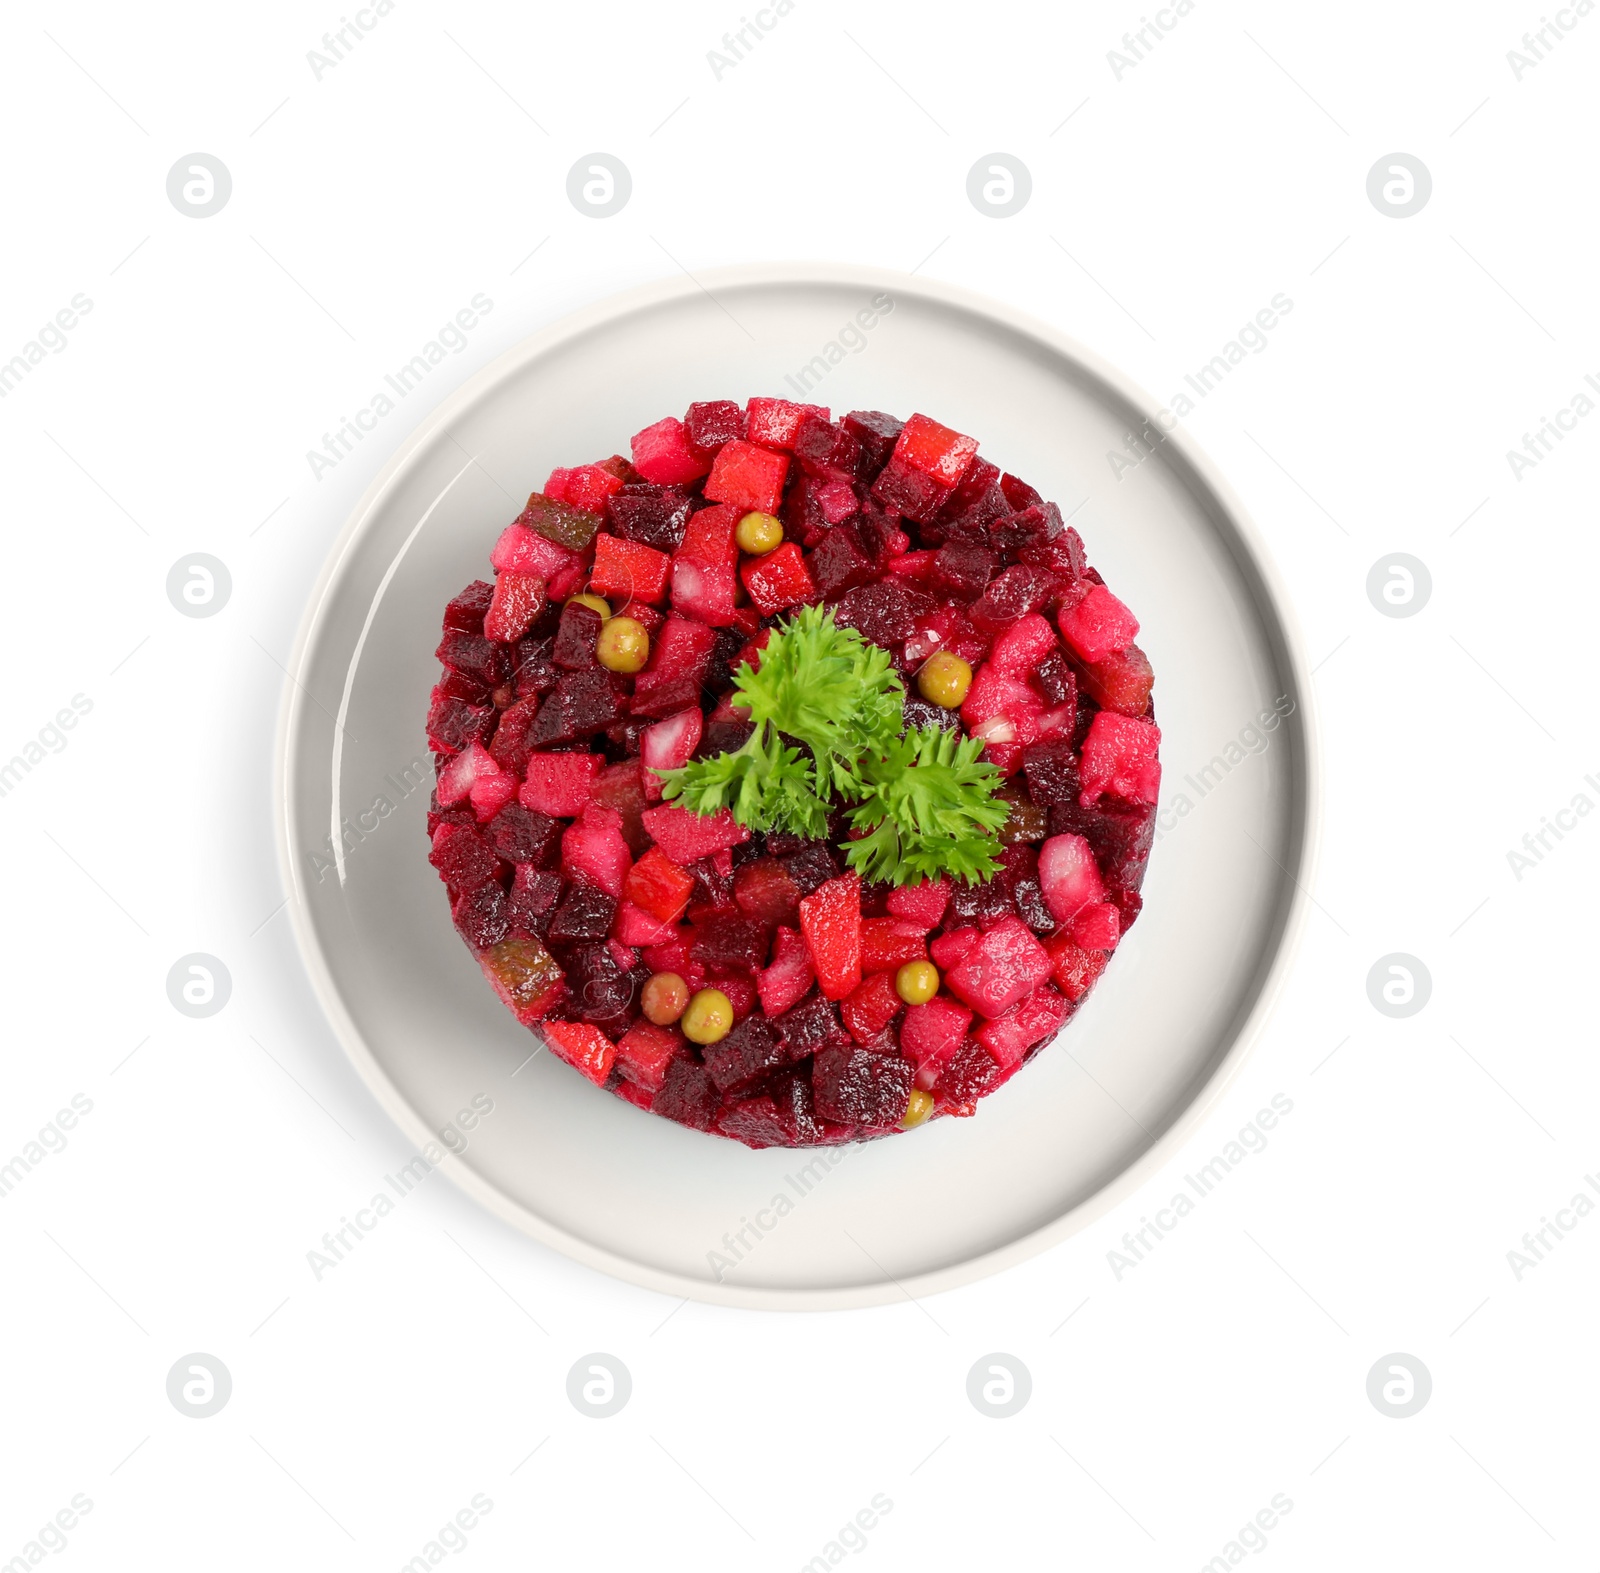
x,y
1169,1406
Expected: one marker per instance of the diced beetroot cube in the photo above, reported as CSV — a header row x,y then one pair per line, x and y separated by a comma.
x,y
963,568
1006,965
631,1092
519,550
886,613
585,913
519,835
757,1122
668,745
535,894
1122,682
748,1053
779,579
588,486
651,515
1098,626
658,885
916,566
1018,650
678,663
592,848
905,490
858,1088
629,570
663,453
949,948
765,892
525,976
620,787
830,919
922,905
570,580
712,423
480,916
1097,927
645,1051
826,452
558,784
475,774
747,477
870,1007
1120,757
932,1033
740,988
1069,876
935,450
785,982
518,600
703,567
465,612
887,944
775,422
474,659
724,938
973,1073
1011,595
837,501
559,522
577,633
634,926
583,1047
839,563
876,434
684,837
1074,968
453,723
1009,1036
688,1095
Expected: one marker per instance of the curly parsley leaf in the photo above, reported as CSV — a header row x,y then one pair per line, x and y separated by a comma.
x,y
929,809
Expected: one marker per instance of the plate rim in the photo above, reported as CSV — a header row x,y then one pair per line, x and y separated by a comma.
x,y
1201,1101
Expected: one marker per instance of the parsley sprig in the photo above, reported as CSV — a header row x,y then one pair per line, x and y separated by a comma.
x,y
827,710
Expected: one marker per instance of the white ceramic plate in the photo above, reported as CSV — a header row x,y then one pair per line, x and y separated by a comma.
x,y
652,1201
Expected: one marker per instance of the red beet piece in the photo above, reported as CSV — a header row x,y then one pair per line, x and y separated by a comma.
x,y
576,636
963,567
1005,965
688,1095
454,723
651,515
558,784
908,491
830,919
532,903
466,612
827,452
858,1088
886,613
876,434
585,913
521,835
765,892
592,848
936,450
713,422
524,551
972,1073
480,916
809,1026
747,477
839,563
474,657
727,939
951,946
745,1055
